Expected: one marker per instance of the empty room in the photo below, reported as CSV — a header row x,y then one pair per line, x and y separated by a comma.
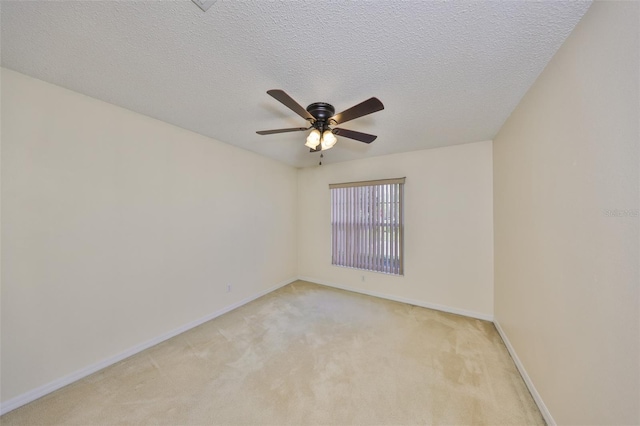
x,y
221,212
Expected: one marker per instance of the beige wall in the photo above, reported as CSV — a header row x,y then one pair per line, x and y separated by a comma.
x,y
448,227
566,272
118,228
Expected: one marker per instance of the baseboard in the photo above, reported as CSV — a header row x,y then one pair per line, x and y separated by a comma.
x,y
41,391
414,302
527,380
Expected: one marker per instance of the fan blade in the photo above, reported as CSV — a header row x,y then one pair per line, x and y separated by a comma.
x,y
369,106
292,129
352,134
288,101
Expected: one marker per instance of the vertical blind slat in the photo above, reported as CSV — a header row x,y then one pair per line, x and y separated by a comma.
x,y
333,228
379,214
352,208
356,227
397,242
342,227
338,227
392,228
338,232
346,230
380,230
383,229
365,224
359,227
401,226
395,229
397,238
345,212
336,209
369,223
343,231
374,231
387,240
387,229
383,206
352,250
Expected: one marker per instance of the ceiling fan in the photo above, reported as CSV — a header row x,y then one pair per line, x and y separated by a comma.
x,y
321,117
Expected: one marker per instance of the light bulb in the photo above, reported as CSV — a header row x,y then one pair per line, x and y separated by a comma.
x,y
328,139
313,140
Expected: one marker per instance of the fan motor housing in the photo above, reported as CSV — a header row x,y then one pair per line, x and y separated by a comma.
x,y
322,111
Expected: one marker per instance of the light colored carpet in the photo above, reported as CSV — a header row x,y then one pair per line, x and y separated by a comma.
x,y
306,354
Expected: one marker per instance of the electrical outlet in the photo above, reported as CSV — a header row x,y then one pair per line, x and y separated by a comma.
x,y
229,288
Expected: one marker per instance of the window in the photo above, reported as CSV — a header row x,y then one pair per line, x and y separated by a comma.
x,y
367,225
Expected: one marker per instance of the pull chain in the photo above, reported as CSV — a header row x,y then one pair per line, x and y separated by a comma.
x,y
321,157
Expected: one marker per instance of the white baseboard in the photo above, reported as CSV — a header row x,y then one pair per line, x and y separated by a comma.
x,y
41,391
527,380
414,302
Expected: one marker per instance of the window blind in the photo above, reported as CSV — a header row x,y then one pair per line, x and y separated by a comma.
x,y
367,225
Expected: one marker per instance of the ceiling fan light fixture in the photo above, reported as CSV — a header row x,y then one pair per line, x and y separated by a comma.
x,y
321,115
313,140
328,139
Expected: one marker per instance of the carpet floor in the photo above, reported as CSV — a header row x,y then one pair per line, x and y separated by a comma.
x,y
306,355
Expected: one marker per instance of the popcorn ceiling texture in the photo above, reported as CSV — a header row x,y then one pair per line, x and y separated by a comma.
x,y
448,73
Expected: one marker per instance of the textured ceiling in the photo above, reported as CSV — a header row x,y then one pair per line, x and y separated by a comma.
x,y
447,72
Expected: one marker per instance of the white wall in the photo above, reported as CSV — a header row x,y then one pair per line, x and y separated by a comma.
x,y
118,228
448,227
566,273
